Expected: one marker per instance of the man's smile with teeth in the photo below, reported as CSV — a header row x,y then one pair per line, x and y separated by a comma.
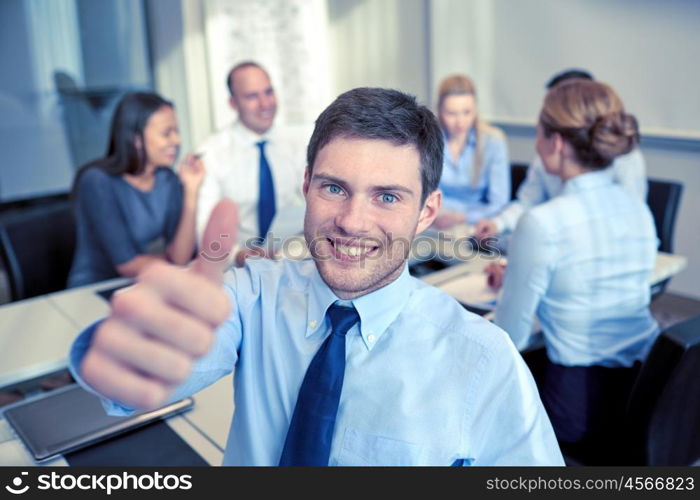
x,y
352,250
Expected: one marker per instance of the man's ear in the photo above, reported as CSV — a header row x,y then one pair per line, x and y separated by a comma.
x,y
138,143
430,210
233,103
307,181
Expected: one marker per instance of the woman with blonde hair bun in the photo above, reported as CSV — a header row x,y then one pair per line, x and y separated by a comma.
x,y
476,173
581,264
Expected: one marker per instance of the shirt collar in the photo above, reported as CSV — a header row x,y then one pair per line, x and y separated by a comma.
x,y
589,180
471,139
468,146
377,310
248,136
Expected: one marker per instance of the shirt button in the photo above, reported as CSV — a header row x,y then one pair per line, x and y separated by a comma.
x,y
312,324
371,338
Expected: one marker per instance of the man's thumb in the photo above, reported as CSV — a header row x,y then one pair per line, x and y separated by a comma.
x,y
217,241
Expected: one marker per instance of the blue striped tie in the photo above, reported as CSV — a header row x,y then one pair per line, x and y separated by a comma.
x,y
311,429
266,195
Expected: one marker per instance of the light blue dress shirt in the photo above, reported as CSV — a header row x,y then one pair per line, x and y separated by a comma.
x,y
426,382
539,186
581,262
491,193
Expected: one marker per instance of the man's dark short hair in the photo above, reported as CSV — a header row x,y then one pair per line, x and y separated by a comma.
x,y
383,114
568,74
241,65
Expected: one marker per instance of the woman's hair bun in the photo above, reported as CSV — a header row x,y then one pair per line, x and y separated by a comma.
x,y
612,135
591,117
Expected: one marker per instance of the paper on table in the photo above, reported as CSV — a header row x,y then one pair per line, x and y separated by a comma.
x,y
455,232
472,290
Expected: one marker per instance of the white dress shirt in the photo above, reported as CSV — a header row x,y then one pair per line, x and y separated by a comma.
x,y
232,161
539,186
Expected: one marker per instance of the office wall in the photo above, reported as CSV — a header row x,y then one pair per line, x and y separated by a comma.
x,y
683,166
74,46
114,31
34,146
380,44
166,28
646,49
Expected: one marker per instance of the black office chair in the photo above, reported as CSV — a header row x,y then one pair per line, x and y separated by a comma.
x,y
36,249
518,172
664,407
664,198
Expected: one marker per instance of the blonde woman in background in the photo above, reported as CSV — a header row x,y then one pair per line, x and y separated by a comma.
x,y
581,263
476,172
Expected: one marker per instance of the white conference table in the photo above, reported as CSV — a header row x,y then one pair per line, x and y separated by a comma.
x,y
36,334
466,282
464,277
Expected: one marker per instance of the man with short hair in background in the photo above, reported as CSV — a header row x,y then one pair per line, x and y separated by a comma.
x,y
255,163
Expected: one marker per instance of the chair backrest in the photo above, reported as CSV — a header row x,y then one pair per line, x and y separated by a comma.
x,y
36,249
664,198
518,171
664,407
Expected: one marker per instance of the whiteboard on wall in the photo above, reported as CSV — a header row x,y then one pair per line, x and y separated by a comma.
x,y
646,49
289,39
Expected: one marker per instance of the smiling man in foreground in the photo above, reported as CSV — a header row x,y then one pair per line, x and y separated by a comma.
x,y
343,359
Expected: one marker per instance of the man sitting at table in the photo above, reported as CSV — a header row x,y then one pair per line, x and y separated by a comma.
x,y
343,359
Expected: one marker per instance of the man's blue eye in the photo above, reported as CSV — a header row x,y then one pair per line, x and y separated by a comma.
x,y
388,198
333,189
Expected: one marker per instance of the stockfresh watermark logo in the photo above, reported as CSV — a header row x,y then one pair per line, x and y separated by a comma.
x,y
96,482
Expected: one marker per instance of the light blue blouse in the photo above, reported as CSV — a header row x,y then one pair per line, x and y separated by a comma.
x,y
581,262
492,191
539,186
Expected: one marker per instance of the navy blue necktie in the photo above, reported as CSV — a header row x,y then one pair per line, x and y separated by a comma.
x,y
311,429
266,195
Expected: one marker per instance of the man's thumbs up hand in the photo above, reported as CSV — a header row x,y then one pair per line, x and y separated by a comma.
x,y
159,326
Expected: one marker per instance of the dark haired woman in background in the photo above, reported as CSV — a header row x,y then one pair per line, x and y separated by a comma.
x,y
131,208
581,263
